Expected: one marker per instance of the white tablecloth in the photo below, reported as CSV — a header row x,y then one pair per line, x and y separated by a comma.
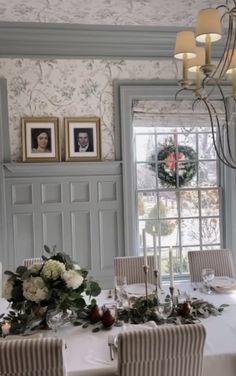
x,y
87,353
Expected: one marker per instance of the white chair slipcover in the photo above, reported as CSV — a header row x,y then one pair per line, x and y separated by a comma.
x,y
220,260
32,357
132,268
31,261
165,351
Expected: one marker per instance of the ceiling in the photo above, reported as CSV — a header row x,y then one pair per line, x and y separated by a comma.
x,y
105,12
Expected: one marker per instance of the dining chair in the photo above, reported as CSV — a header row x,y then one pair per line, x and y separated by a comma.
x,y
132,268
32,357
164,351
220,260
31,261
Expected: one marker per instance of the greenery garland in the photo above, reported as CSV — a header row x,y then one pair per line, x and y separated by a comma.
x,y
184,313
167,171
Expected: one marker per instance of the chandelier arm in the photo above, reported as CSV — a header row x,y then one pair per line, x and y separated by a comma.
x,y
182,89
224,56
224,161
226,122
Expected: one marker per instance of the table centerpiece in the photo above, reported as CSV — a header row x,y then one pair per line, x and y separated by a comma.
x,y
56,283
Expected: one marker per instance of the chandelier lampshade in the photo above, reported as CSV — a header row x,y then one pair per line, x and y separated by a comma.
x,y
208,24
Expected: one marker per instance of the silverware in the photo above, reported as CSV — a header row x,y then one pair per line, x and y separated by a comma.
x,y
111,344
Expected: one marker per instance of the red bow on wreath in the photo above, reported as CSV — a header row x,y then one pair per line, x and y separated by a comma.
x,y
171,159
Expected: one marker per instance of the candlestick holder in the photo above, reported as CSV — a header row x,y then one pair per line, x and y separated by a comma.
x,y
172,292
156,275
174,296
145,270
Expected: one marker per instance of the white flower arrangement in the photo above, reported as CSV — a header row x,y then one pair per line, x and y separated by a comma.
x,y
56,283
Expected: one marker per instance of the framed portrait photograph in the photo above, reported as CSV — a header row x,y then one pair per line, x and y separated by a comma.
x,y
40,139
82,139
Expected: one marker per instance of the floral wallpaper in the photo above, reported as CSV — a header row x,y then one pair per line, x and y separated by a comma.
x,y
109,12
71,88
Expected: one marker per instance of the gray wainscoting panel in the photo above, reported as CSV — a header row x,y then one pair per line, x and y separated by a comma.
x,y
80,214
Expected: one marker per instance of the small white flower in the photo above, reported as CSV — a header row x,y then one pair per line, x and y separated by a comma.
x,y
53,269
73,279
35,268
34,289
76,267
7,289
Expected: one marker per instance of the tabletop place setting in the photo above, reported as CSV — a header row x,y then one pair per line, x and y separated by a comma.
x,y
57,299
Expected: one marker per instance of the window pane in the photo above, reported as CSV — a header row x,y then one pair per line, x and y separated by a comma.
x,y
205,146
190,231
168,204
145,177
207,173
189,204
144,147
147,202
187,139
210,202
210,230
169,232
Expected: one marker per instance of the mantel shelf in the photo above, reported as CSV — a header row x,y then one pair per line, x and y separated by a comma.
x,y
62,169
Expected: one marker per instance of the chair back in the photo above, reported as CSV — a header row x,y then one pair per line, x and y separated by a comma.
x,y
31,261
220,260
132,268
32,357
165,351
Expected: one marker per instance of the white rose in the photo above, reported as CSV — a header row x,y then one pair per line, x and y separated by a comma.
x,y
34,289
7,289
53,269
73,279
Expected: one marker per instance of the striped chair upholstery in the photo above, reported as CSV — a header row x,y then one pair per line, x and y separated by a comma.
x,y
165,351
220,260
132,268
32,357
31,261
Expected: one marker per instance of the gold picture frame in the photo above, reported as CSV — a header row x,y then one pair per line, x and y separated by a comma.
x,y
82,139
40,139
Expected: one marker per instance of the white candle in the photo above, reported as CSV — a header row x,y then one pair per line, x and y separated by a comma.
x,y
159,260
155,252
171,267
144,248
6,326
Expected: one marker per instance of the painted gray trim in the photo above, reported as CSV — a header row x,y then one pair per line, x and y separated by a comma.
x,y
62,169
5,154
45,40
125,92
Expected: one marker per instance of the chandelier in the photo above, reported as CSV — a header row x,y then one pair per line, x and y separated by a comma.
x,y
209,76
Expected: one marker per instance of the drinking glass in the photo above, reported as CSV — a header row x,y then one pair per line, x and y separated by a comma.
x,y
55,318
164,308
121,296
208,275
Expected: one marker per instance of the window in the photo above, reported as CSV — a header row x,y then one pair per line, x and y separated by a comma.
x,y
177,188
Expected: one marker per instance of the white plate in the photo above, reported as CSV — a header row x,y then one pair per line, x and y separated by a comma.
x,y
223,284
138,289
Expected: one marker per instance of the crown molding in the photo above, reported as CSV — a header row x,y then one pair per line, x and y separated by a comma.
x,y
46,40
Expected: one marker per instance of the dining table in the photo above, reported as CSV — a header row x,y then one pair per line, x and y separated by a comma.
x,y
87,353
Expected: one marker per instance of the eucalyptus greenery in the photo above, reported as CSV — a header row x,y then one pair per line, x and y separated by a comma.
x,y
185,313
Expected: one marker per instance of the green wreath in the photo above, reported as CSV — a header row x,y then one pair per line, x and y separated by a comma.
x,y
168,172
